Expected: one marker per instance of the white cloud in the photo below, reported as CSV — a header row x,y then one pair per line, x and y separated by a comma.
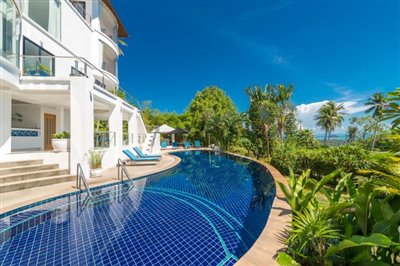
x,y
269,53
307,112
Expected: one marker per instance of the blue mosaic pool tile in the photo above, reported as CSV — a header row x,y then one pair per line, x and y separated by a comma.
x,y
207,211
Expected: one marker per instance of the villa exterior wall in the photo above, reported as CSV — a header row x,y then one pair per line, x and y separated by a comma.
x,y
71,99
5,124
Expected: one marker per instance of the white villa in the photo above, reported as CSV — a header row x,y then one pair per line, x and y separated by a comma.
x,y
59,72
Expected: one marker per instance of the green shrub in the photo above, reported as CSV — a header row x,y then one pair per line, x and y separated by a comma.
x,y
322,161
61,135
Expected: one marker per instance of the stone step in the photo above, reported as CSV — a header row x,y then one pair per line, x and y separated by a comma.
x,y
32,175
38,182
27,168
20,163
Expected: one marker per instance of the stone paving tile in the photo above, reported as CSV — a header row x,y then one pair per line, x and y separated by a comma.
x,y
16,199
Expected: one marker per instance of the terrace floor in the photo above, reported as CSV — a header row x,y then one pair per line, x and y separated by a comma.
x,y
15,199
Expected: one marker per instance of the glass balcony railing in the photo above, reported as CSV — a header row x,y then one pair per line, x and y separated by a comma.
x,y
38,66
127,139
104,139
141,138
67,66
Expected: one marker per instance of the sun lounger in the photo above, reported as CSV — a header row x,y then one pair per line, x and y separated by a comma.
x,y
175,145
163,145
197,144
134,159
187,144
142,155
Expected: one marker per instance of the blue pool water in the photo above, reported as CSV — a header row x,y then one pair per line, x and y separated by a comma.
x,y
208,210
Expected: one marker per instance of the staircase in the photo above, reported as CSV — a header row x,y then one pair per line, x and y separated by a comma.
x,y
31,173
148,143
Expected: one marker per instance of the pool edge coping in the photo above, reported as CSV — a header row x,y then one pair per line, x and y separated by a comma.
x,y
27,204
270,241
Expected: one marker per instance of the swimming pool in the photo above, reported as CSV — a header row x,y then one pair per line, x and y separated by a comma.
x,y
208,210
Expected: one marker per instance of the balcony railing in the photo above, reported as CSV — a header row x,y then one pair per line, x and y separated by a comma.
x,y
141,138
104,139
127,139
66,66
78,6
38,66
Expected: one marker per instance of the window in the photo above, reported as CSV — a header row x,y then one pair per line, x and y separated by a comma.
x,y
37,61
45,13
80,6
9,26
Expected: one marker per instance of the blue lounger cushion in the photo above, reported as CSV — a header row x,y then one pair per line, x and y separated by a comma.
x,y
187,144
132,157
142,155
197,144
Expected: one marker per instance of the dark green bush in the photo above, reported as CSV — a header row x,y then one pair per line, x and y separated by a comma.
x,y
322,161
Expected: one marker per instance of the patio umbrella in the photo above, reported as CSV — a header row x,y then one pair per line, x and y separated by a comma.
x,y
178,131
164,129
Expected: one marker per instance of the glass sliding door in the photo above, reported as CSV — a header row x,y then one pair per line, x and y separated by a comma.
x,y
10,31
46,14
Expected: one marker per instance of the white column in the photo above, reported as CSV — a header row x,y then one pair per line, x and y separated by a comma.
x,y
82,121
115,125
5,123
60,119
132,129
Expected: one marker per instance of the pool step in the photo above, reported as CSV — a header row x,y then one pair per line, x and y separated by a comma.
x,y
36,182
32,175
26,168
20,163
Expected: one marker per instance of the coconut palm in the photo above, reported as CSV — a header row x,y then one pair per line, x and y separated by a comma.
x,y
393,109
377,104
329,117
282,98
351,134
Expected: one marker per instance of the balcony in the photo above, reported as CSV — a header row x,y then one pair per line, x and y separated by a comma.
x,y
108,23
104,139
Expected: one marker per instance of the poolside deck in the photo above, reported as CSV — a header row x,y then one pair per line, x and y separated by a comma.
x,y
15,199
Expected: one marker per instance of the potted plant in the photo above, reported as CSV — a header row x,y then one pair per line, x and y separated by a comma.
x,y
60,141
95,158
44,70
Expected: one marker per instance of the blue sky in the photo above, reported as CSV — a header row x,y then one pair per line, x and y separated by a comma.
x,y
329,50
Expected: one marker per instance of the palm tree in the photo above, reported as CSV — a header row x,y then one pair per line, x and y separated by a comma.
x,y
393,109
262,111
282,98
351,134
329,117
377,104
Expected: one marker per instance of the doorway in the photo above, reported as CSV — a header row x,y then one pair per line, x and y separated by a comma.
x,y
49,130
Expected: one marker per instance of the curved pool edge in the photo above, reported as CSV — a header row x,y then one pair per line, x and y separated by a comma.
x,y
68,187
271,239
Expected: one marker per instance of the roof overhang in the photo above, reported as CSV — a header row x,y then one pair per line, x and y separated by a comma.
x,y
121,29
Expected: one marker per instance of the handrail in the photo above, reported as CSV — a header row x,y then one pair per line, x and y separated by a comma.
x,y
153,140
80,177
122,170
129,98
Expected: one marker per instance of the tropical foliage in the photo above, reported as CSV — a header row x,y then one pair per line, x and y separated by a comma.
x,y
345,198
